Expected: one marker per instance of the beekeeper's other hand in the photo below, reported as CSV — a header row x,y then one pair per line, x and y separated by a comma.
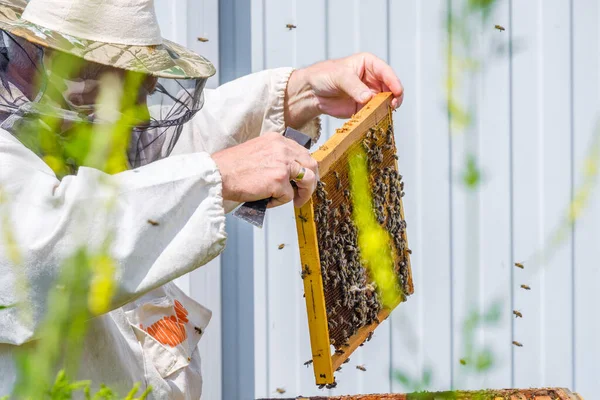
x,y
339,87
263,167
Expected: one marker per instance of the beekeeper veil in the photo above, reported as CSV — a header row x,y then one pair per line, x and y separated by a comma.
x,y
50,79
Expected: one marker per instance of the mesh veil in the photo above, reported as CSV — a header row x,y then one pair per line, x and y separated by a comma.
x,y
30,95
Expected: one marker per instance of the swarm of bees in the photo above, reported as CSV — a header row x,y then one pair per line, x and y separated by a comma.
x,y
351,297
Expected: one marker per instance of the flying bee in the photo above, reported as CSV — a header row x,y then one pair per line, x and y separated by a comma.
x,y
517,343
361,367
517,314
308,362
153,222
198,330
202,39
525,287
331,385
281,246
290,26
499,27
519,265
280,390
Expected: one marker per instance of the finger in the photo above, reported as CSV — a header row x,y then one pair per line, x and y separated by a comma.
x,y
305,188
284,195
351,84
302,156
385,74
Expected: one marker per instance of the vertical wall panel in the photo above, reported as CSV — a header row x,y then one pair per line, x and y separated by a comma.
x,y
557,300
528,233
586,106
433,185
493,131
465,204
407,328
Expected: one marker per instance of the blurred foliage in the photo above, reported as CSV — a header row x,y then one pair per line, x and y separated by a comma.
x,y
374,241
85,285
471,176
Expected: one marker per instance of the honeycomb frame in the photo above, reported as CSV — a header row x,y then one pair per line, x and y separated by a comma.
x,y
335,150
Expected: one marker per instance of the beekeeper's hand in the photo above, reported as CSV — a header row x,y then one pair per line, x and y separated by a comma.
x,y
263,167
338,88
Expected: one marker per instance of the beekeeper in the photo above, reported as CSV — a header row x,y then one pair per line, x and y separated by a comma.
x,y
199,154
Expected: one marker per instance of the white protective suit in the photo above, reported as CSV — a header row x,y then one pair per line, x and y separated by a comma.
x,y
51,218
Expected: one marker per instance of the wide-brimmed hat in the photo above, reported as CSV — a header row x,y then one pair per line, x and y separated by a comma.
x,y
119,33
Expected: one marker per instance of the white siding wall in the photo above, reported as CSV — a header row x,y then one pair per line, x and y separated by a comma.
x,y
534,116
183,21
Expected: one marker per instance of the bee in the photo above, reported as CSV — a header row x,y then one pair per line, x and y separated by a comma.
x,y
153,222
347,360
339,351
346,193
198,330
370,133
332,341
290,26
331,385
336,215
525,287
280,390
463,361
336,281
321,386
369,336
361,367
517,314
499,27
517,343
281,246
409,251
202,39
395,156
305,271
302,218
519,265
308,362
338,181
338,369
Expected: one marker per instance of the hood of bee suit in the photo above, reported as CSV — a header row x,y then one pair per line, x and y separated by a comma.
x,y
120,33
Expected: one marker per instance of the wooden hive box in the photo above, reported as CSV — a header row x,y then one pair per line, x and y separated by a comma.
x,y
506,394
352,238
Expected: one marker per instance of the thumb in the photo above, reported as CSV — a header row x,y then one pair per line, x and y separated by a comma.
x,y
351,84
